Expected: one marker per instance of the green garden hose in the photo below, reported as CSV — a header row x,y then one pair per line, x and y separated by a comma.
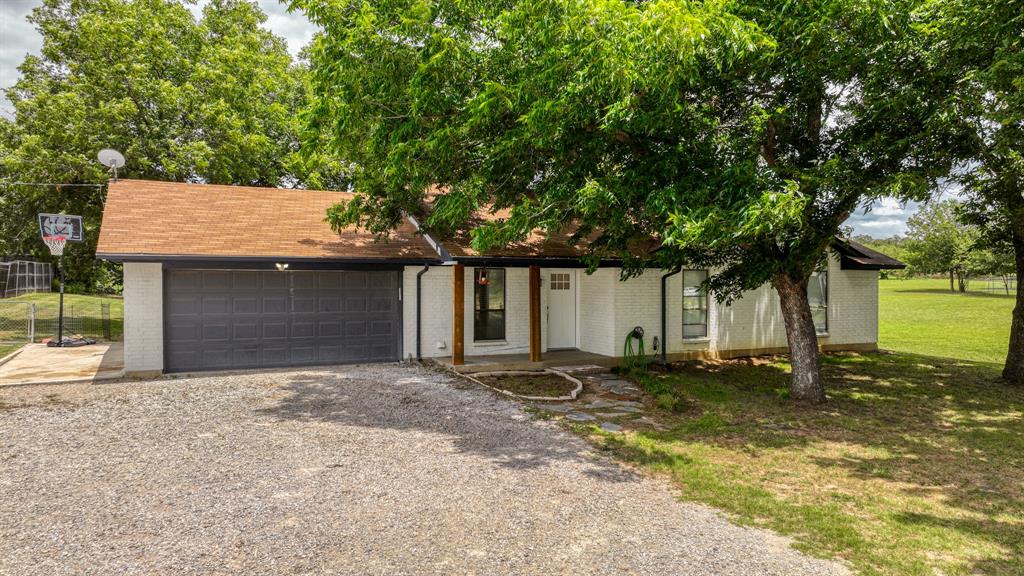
x,y
634,358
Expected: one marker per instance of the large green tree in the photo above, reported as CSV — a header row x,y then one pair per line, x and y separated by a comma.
x,y
213,100
982,42
939,243
740,135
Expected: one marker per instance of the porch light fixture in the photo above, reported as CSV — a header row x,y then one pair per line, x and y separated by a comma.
x,y
281,266
483,280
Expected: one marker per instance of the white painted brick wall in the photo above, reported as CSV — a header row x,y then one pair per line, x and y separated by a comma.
x,y
609,308
437,311
436,324
597,310
143,317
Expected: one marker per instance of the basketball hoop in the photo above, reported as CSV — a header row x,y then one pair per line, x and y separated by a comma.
x,y
55,244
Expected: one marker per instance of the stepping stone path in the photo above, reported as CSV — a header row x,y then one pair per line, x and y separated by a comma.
x,y
579,417
606,397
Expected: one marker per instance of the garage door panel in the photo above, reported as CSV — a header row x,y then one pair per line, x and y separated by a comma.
x,y
275,355
304,305
245,356
275,330
329,304
275,304
216,280
242,331
246,280
245,305
247,319
216,304
183,306
303,329
215,331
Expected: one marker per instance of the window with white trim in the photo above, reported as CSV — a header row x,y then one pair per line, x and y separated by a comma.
x,y
817,297
695,304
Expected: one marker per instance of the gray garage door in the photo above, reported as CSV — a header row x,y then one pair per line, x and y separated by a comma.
x,y
219,319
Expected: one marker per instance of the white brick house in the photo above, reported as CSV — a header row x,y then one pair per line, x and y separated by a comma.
x,y
219,277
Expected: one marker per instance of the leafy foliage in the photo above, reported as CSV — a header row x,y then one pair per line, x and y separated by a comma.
x,y
213,100
738,135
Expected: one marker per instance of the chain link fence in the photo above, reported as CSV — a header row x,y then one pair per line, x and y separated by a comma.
x,y
17,322
46,327
23,322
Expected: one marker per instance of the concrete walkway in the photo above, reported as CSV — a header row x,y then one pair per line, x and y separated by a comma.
x,y
38,364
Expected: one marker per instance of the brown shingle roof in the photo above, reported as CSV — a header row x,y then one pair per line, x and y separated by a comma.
x,y
538,244
144,217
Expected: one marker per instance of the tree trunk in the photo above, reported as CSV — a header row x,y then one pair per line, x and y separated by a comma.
x,y
951,287
805,384
1013,370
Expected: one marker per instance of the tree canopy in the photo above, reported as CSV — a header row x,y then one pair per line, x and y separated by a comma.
x,y
213,100
739,135
982,43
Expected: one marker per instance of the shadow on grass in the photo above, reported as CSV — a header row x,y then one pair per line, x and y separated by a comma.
x,y
471,420
968,294
941,429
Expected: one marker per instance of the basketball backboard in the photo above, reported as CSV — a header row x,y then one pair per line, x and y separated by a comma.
x,y
66,225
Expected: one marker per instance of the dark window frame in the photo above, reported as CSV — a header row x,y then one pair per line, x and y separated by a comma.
x,y
706,307
483,317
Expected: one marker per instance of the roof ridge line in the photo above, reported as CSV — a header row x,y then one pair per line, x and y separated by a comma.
x,y
441,251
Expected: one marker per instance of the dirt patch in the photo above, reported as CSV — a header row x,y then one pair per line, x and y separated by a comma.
x,y
540,384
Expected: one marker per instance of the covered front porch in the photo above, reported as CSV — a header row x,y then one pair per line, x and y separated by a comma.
x,y
563,359
536,309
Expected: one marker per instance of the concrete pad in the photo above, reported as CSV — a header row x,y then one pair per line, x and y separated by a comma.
x,y
39,364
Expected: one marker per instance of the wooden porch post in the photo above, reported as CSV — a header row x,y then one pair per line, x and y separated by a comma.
x,y
534,313
458,314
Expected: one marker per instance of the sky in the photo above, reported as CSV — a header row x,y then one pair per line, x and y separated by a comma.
x,y
18,38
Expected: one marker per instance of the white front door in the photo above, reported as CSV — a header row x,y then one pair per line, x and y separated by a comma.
x,y
562,309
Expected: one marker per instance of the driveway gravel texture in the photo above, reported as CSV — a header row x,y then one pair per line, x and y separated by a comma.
x,y
381,469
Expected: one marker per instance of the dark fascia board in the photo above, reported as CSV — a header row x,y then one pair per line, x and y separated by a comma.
x,y
846,263
267,262
524,261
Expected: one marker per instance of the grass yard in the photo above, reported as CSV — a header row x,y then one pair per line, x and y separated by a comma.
x,y
6,349
914,467
87,307
923,317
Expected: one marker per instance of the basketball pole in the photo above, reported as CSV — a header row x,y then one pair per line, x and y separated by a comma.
x,y
60,314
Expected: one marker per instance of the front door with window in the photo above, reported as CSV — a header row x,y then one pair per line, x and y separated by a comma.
x,y
562,309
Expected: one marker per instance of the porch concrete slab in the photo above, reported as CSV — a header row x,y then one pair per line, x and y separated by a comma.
x,y
551,359
39,364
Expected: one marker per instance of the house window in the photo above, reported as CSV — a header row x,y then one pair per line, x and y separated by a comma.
x,y
559,281
817,296
695,304
488,304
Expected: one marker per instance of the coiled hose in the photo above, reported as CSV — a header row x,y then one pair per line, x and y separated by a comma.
x,y
634,358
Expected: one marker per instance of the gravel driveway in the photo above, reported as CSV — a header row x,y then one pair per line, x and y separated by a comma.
x,y
383,469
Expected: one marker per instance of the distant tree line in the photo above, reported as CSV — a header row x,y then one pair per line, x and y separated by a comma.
x,y
942,239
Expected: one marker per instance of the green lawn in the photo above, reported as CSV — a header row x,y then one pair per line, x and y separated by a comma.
x,y
924,317
914,467
6,349
87,307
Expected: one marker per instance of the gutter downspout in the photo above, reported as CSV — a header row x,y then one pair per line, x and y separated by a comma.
x,y
664,329
419,314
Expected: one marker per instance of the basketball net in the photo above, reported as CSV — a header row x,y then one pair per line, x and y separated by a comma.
x,y
55,244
